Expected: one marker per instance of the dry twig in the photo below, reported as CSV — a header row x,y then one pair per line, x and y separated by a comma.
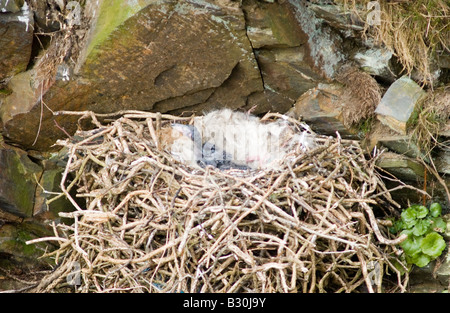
x,y
151,224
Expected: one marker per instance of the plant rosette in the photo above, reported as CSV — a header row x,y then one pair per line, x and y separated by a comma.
x,y
424,227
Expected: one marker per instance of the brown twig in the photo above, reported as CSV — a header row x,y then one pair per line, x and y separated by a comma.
x,y
152,224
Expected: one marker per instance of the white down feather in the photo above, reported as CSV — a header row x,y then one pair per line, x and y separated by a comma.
x,y
249,141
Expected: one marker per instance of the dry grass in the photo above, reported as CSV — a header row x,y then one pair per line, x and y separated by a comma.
x,y
361,97
431,114
416,31
150,224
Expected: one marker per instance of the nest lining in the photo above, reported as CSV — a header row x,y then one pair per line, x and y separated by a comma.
x,y
152,224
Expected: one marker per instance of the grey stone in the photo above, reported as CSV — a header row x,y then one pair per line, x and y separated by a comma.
x,y
376,61
337,17
442,161
397,104
401,166
401,144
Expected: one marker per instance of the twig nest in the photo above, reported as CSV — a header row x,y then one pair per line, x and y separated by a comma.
x,y
150,223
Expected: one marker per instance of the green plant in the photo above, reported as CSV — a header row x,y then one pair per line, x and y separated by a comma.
x,y
423,226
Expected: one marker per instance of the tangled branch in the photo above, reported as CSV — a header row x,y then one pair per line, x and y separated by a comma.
x,y
150,224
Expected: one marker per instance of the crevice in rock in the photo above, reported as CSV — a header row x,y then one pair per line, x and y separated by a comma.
x,y
204,95
209,103
161,78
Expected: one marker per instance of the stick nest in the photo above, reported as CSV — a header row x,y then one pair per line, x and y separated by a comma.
x,y
151,224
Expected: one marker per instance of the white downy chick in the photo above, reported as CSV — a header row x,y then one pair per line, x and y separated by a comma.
x,y
183,142
249,141
228,139
213,156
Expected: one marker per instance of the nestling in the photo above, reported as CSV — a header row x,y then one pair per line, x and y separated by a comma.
x,y
228,139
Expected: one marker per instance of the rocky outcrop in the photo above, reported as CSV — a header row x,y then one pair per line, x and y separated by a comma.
x,y
27,186
281,49
172,56
16,38
341,106
21,263
321,108
152,57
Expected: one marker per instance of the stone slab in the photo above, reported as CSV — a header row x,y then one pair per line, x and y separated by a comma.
x,y
397,104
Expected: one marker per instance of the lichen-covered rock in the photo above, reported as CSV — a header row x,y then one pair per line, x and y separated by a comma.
x,y
325,45
376,61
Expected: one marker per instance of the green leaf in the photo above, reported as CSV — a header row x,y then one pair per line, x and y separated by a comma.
x,y
408,232
421,211
421,227
438,224
412,245
421,259
396,226
409,217
435,209
433,244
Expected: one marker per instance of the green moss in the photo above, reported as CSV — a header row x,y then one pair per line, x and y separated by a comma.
x,y
112,14
5,92
365,126
13,238
20,174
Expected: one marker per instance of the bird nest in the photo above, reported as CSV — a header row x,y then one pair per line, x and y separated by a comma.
x,y
149,223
